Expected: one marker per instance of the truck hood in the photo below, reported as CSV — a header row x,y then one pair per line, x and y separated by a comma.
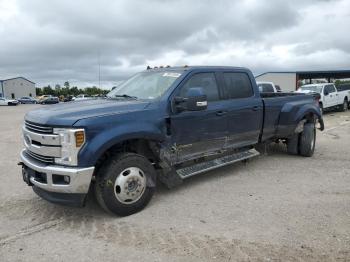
x,y
66,114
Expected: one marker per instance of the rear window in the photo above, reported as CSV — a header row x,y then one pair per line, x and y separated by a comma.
x,y
237,85
266,88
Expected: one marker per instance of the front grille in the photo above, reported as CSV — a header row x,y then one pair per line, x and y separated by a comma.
x,y
46,159
38,128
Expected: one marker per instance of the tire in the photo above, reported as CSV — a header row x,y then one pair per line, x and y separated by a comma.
x,y
293,145
344,106
321,108
125,184
307,140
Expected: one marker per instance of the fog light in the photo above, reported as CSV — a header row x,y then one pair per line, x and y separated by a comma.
x,y
66,179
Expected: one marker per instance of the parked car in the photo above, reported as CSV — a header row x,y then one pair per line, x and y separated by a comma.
x,y
43,97
267,87
68,99
8,102
82,97
27,100
50,100
330,97
164,124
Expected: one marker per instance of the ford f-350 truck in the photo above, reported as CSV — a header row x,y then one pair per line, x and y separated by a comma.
x,y
163,124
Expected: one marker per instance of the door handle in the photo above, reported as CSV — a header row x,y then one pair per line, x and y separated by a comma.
x,y
221,113
255,108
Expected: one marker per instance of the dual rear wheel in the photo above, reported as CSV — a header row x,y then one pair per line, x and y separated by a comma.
x,y
303,143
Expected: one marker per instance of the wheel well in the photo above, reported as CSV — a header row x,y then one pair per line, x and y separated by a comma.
x,y
144,147
310,118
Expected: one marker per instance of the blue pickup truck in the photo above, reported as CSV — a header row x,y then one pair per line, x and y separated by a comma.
x,y
163,124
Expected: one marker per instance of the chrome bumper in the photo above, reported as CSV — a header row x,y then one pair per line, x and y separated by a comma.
x,y
79,182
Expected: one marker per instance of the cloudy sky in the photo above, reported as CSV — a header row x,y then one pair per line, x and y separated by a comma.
x,y
54,41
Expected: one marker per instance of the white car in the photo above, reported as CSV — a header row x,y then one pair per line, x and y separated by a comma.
x,y
267,87
82,97
330,97
8,102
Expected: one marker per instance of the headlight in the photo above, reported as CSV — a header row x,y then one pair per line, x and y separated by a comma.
x,y
71,142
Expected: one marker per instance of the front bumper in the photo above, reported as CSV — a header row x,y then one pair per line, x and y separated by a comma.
x,y
50,177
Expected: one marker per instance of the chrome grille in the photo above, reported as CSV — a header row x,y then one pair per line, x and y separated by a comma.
x,y
38,128
46,159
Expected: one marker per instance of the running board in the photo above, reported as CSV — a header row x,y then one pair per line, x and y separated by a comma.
x,y
215,163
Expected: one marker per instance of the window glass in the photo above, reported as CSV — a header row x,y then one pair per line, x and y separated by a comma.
x,y
206,81
266,88
237,85
331,89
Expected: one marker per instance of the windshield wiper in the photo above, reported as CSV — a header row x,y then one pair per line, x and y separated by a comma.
x,y
126,96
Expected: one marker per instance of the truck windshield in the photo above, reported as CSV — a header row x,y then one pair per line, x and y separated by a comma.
x,y
145,85
316,89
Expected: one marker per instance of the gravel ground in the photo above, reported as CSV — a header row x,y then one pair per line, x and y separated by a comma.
x,y
275,207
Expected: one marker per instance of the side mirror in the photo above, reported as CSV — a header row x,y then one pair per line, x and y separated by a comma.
x,y
195,100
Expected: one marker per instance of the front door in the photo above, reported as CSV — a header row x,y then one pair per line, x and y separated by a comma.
x,y
199,133
330,99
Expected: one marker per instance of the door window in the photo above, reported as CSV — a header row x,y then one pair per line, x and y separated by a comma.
x,y
206,81
237,85
329,89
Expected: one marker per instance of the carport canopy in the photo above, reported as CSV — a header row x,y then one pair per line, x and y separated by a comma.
x,y
336,74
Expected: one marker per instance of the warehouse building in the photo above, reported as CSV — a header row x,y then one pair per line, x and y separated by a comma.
x,y
17,87
290,81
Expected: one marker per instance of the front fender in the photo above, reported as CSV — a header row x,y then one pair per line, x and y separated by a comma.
x,y
100,139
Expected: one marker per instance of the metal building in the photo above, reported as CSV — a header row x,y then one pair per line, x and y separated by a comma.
x,y
290,81
17,87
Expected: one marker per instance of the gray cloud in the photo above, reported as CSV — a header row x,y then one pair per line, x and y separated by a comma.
x,y
54,41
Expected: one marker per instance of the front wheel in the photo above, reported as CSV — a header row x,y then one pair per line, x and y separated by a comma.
x,y
125,184
307,140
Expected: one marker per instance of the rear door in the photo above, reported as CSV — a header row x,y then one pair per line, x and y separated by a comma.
x,y
198,133
244,109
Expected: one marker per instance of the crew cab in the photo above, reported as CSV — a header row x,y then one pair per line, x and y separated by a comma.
x,y
163,124
330,97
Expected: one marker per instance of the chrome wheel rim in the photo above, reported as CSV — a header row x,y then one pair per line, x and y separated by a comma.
x,y
130,185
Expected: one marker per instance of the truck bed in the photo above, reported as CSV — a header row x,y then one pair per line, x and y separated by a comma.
x,y
278,110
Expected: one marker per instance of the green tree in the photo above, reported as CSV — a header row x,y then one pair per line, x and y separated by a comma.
x,y
38,91
47,90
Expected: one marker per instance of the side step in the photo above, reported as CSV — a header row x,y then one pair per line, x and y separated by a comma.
x,y
215,163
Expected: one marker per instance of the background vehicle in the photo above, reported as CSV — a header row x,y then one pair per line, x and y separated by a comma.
x,y
170,123
82,97
278,88
330,97
43,97
267,87
8,102
27,100
50,100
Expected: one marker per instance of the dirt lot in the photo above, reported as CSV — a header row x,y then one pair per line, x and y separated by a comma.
x,y
276,207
